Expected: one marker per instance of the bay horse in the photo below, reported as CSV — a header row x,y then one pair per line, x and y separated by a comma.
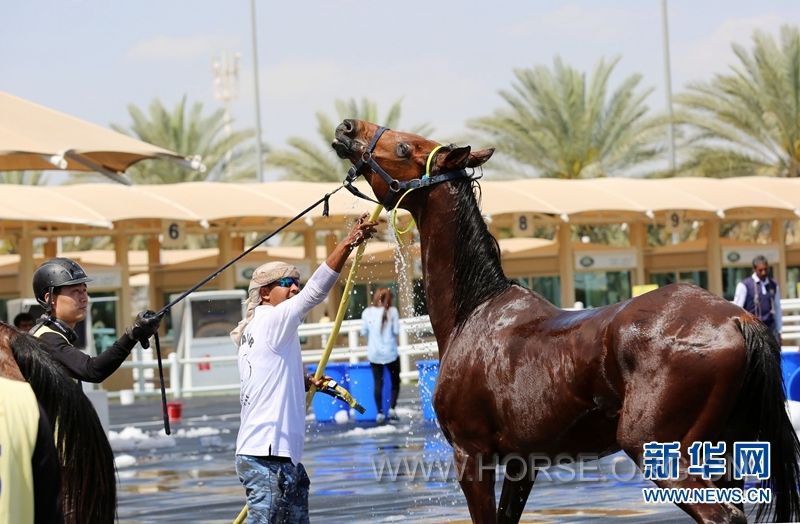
x,y
519,377
87,474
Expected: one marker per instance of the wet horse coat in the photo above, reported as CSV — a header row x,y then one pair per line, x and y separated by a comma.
x,y
520,377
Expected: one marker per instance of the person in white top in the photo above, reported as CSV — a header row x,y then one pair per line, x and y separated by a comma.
x,y
381,326
760,295
269,446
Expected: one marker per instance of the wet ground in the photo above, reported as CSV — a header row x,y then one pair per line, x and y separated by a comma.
x,y
359,472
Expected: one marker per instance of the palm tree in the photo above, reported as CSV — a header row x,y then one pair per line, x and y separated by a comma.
x,y
26,178
306,160
747,122
227,155
557,124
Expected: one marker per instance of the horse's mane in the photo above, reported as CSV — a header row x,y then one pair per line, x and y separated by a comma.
x,y
477,273
88,481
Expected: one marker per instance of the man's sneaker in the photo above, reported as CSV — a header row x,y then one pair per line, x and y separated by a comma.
x,y
379,418
393,415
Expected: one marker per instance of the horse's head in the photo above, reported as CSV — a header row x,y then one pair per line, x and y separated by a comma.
x,y
393,162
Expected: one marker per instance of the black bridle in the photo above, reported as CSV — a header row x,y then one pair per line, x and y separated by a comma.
x,y
395,186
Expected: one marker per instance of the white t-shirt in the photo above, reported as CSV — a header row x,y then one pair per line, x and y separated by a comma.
x,y
271,373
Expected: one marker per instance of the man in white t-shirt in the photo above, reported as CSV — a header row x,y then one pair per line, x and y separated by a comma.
x,y
269,446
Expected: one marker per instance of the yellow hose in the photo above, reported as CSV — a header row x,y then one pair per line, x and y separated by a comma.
x,y
241,516
348,287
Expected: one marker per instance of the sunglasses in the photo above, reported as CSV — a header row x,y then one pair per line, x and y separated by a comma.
x,y
288,282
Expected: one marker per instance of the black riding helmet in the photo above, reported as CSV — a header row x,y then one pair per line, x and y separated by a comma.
x,y
55,273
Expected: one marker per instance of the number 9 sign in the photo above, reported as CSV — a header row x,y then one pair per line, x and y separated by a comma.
x,y
674,220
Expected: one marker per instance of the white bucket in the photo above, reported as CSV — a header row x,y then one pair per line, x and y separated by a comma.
x,y
126,397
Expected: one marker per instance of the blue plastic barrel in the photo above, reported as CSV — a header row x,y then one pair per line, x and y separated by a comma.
x,y
790,365
362,387
428,373
793,387
325,407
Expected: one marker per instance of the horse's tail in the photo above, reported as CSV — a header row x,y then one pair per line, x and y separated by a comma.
x,y
88,480
765,400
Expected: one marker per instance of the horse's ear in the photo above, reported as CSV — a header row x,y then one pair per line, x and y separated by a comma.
x,y
456,159
478,158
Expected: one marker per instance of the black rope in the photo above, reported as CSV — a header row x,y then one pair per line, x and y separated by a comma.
x,y
163,311
164,410
246,252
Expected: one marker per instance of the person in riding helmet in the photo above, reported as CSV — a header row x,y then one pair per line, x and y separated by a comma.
x,y
59,286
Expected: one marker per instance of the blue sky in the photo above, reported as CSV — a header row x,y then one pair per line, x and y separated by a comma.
x,y
446,60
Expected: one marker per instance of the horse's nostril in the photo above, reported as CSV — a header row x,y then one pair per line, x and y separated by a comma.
x,y
341,129
348,126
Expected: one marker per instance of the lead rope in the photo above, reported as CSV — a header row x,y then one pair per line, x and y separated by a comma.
x,y
164,411
411,224
325,212
163,311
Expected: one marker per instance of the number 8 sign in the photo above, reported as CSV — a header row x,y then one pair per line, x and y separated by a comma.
x,y
522,225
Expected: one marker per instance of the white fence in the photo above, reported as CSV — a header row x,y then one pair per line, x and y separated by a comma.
x,y
790,332
415,341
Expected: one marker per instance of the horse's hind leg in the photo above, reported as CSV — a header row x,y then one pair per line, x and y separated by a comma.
x,y
517,485
698,416
476,477
728,481
703,513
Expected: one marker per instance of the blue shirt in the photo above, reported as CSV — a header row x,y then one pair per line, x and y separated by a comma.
x,y
381,342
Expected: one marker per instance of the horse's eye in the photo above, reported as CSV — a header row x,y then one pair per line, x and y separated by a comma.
x,y
403,149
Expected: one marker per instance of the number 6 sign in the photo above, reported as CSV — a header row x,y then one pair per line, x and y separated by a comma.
x,y
173,234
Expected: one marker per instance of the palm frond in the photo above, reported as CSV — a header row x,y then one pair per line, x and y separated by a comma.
x,y
25,178
559,123
188,129
747,121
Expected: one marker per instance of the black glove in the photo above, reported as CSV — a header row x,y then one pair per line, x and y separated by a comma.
x,y
144,327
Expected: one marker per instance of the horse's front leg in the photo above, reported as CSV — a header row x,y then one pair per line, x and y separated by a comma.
x,y
476,473
517,484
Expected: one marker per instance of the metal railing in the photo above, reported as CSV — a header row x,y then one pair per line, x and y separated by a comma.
x,y
415,340
790,331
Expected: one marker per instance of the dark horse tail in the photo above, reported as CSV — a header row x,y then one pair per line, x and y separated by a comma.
x,y
88,480
763,400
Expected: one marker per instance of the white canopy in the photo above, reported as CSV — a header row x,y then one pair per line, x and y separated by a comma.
x,y
577,201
